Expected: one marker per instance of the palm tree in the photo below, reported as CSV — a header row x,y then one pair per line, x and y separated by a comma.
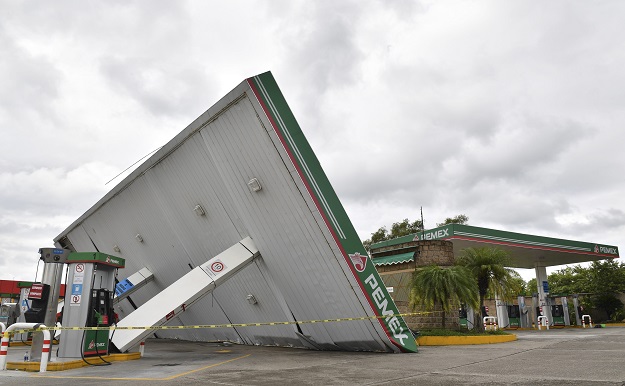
x,y
510,288
448,287
488,266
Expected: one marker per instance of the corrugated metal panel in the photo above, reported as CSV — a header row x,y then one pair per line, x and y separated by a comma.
x,y
303,273
312,286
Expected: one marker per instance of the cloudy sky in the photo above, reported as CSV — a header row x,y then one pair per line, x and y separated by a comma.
x,y
508,112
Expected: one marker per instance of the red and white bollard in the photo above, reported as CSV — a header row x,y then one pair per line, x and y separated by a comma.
x,y
584,321
141,348
45,353
4,345
543,321
491,322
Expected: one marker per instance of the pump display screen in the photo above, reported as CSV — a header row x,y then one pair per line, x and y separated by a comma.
x,y
513,312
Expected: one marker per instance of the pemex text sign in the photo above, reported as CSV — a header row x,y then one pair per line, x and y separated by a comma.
x,y
434,234
331,210
381,299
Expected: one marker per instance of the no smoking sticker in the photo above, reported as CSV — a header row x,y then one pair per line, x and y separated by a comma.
x,y
75,300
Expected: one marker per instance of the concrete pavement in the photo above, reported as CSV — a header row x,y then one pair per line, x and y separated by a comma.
x,y
562,357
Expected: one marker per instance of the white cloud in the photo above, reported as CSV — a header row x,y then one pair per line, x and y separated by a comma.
x,y
510,113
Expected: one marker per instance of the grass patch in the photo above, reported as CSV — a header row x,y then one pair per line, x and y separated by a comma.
x,y
463,332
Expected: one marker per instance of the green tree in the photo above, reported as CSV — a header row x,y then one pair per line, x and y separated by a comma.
x,y
488,267
513,287
377,236
532,287
569,280
405,227
607,276
398,229
602,279
459,219
444,286
606,279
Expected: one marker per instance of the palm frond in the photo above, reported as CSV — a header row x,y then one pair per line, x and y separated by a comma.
x,y
447,287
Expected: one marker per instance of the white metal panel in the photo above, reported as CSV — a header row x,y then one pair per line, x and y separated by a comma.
x,y
80,240
233,298
191,168
295,253
132,213
182,294
358,307
303,273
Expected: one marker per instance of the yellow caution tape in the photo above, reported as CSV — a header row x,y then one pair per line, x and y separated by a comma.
x,y
206,326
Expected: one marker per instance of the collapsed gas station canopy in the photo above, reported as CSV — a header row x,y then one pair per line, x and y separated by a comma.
x,y
244,169
526,251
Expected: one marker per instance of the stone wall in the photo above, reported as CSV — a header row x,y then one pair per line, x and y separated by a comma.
x,y
437,252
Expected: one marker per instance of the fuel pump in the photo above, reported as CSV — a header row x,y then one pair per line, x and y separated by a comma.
x,y
501,309
89,303
524,317
514,316
39,295
557,313
578,310
101,311
560,312
45,296
100,314
537,309
462,314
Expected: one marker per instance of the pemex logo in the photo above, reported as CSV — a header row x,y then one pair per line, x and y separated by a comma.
x,y
360,261
91,345
596,249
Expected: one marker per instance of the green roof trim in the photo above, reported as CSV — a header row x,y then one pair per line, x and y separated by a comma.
x,y
96,257
394,259
505,238
326,202
399,240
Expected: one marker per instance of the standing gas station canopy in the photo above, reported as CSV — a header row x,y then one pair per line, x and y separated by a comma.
x,y
526,251
244,169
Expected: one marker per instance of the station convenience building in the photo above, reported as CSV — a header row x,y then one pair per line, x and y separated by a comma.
x,y
396,259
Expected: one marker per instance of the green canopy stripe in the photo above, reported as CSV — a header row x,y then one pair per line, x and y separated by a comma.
x,y
394,259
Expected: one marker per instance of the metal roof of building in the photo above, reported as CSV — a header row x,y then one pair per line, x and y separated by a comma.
x,y
526,251
247,164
